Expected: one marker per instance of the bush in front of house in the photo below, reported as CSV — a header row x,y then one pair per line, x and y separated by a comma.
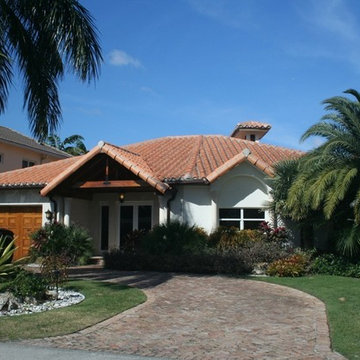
x,y
292,266
71,242
230,238
331,264
59,246
178,247
201,263
26,285
174,238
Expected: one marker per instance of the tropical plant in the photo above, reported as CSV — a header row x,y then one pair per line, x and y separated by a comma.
x,y
174,238
7,250
73,145
328,178
72,243
41,39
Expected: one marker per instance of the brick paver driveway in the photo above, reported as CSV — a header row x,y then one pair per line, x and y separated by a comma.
x,y
209,317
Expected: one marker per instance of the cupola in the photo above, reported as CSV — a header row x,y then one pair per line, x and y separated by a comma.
x,y
250,130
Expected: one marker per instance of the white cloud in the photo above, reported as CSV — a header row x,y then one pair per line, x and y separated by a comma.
x,y
121,58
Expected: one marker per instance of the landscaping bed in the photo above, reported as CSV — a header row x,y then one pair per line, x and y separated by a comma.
x,y
102,301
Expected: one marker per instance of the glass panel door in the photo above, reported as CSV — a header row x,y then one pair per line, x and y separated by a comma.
x,y
126,220
144,217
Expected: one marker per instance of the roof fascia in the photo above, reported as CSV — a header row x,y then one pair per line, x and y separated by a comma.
x,y
148,178
69,171
245,155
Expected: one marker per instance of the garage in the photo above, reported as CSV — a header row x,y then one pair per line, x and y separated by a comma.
x,y
22,221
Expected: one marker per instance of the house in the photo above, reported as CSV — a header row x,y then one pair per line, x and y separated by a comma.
x,y
20,151
207,180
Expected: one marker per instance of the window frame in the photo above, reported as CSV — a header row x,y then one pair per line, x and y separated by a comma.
x,y
29,163
241,219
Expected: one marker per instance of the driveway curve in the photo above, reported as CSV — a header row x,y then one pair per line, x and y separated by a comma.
x,y
208,317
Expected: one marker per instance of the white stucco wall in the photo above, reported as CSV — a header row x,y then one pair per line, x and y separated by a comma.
x,y
244,186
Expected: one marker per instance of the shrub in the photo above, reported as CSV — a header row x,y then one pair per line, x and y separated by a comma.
x,y
332,264
205,263
174,238
267,252
230,238
28,285
132,241
270,234
59,246
72,242
292,266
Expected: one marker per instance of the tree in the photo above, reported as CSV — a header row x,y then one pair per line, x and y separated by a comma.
x,y
40,39
73,144
328,178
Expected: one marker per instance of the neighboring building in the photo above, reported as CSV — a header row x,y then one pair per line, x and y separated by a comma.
x,y
208,180
19,151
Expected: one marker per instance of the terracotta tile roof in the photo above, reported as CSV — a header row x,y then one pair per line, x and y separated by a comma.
x,y
13,137
191,158
35,176
159,162
253,125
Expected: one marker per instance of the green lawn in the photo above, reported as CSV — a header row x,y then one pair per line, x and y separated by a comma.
x,y
342,298
102,301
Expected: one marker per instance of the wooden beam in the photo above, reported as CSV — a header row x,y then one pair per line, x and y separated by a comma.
x,y
110,184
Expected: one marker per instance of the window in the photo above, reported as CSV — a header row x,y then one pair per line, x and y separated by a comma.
x,y
241,218
1,158
27,163
104,227
134,217
252,137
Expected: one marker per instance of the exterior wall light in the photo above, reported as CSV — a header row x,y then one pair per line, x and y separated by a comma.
x,y
49,215
122,197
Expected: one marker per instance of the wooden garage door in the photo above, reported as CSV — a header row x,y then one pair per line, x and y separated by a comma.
x,y
22,221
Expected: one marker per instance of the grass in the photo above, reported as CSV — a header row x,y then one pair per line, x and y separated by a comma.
x,y
102,301
341,296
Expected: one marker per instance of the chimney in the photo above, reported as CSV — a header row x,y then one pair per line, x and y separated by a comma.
x,y
250,130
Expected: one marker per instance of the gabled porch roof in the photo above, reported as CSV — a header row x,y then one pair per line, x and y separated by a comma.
x,y
129,160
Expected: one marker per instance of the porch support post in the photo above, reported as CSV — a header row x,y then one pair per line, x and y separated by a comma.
x,y
60,212
162,209
214,210
67,211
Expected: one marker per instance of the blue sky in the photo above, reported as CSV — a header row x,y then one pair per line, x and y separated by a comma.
x,y
178,67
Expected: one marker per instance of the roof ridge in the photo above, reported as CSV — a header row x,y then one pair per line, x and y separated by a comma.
x,y
195,155
124,149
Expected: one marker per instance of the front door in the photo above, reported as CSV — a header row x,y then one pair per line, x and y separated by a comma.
x,y
134,217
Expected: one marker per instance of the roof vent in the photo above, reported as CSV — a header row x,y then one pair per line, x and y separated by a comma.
x,y
250,130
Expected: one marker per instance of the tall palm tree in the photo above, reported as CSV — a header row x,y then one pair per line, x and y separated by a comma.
x,y
73,145
329,176
42,38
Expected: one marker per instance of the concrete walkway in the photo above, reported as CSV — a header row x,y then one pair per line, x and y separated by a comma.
x,y
207,317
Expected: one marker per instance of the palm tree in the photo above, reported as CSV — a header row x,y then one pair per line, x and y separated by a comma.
x,y
73,144
42,38
328,177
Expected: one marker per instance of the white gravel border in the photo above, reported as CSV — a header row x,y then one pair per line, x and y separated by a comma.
x,y
65,298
